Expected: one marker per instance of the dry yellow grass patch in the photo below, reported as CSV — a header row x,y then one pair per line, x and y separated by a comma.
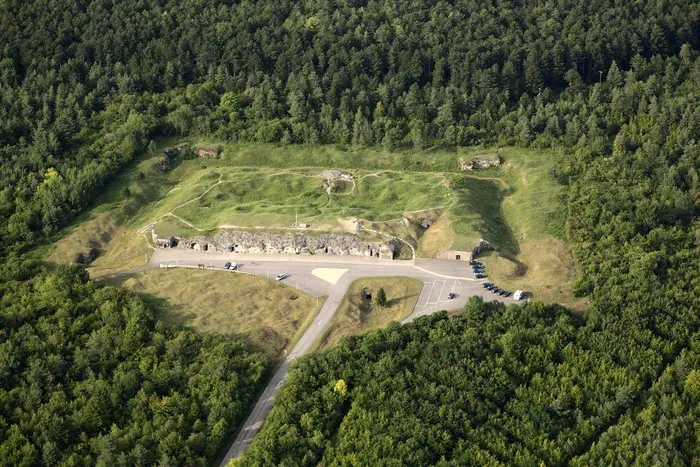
x,y
544,268
96,232
356,314
268,313
127,250
436,239
118,248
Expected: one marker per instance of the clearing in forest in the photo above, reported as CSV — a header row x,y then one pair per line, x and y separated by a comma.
x,y
422,198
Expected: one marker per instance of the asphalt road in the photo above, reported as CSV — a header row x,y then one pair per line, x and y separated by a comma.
x,y
306,273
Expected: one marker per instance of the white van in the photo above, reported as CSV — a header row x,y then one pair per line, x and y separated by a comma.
x,y
518,295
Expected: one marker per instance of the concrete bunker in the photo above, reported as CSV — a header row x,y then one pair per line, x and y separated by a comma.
x,y
290,243
168,242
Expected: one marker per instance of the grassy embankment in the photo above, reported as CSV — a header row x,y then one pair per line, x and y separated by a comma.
x,y
534,207
269,314
356,314
518,207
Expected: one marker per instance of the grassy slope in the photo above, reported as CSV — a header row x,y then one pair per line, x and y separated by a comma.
x,y
517,206
268,313
533,206
112,223
271,198
356,315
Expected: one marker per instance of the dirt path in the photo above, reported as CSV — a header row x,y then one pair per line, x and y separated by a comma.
x,y
170,213
150,226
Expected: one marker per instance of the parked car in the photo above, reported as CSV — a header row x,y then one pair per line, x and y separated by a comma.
x,y
486,285
502,293
491,287
519,295
233,266
495,290
477,263
280,276
477,270
481,276
508,294
451,296
227,265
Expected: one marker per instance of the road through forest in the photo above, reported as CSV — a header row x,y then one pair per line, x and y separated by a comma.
x,y
439,278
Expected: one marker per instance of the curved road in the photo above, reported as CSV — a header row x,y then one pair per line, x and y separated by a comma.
x,y
310,274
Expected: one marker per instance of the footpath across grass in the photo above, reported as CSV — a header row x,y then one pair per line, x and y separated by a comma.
x,y
518,206
358,314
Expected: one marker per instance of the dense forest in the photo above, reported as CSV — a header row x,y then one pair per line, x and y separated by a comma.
x,y
87,377
84,86
494,385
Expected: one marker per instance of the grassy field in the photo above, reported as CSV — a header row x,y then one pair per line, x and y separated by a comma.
x,y
209,198
545,269
533,206
119,248
268,313
517,206
356,314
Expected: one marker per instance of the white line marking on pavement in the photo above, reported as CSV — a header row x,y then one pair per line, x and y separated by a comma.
x,y
437,297
427,297
443,288
444,276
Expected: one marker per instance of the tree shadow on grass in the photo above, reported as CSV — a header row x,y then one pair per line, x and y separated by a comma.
x,y
479,208
179,317
397,300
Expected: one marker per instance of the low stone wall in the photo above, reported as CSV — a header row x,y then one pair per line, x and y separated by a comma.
x,y
464,255
479,162
232,241
455,255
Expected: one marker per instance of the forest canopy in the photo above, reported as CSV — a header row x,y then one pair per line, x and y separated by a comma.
x,y
85,86
87,377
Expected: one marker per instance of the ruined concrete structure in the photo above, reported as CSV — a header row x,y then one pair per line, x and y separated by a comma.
x,y
336,174
167,242
479,162
458,255
173,152
168,155
232,241
86,257
480,247
207,151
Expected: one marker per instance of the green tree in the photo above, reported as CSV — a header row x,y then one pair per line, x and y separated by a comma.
x,y
381,298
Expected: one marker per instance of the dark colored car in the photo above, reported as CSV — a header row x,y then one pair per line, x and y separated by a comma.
x,y
508,294
227,265
477,263
481,276
486,285
450,296
495,290
502,293
477,270
491,287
